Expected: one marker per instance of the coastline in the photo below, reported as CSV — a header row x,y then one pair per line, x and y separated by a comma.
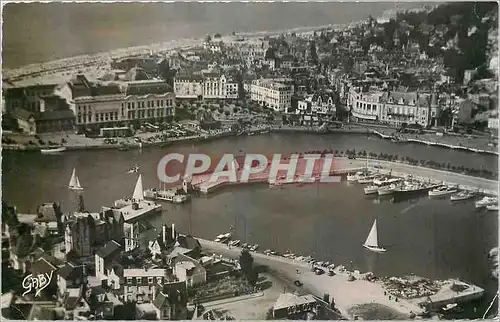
x,y
165,45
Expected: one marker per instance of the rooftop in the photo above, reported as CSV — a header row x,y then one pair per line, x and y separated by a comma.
x,y
141,272
145,208
287,300
110,248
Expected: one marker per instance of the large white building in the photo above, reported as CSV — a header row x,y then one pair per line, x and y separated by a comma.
x,y
209,85
272,93
394,108
122,103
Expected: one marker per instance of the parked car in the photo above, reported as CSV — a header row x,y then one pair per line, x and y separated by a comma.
x,y
319,271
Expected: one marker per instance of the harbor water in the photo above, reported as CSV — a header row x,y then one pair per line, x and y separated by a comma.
x,y
429,237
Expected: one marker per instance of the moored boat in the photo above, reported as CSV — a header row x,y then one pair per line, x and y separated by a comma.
x,y
382,181
462,195
413,190
53,150
365,178
493,207
486,201
353,177
442,191
254,247
371,190
386,190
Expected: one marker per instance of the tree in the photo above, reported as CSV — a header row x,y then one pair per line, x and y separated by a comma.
x,y
208,38
246,262
217,35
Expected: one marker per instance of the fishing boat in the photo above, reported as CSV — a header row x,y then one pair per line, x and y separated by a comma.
x,y
386,190
254,247
365,179
462,195
493,207
486,201
371,190
53,150
442,191
371,242
413,190
74,182
353,177
383,181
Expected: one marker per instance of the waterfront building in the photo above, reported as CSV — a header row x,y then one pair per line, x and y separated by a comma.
x,y
171,301
119,104
188,86
140,284
394,108
315,110
29,98
207,85
189,270
271,93
290,305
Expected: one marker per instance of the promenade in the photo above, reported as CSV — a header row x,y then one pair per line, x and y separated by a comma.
x,y
347,294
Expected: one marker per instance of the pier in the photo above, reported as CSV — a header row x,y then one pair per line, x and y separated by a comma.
x,y
205,185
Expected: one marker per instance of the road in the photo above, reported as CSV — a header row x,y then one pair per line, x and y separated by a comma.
x,y
347,294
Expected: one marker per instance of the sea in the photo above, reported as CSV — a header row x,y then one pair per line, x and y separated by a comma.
x,y
41,32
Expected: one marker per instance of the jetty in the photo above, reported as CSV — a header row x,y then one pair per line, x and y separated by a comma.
x,y
135,208
205,185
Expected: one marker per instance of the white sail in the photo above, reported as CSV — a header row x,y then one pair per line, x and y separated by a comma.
x,y
372,239
138,191
72,181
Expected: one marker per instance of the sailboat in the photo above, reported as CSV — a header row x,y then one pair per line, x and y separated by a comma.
x,y
371,242
138,190
74,183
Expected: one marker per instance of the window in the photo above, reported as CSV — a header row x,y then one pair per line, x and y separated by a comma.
x,y
138,280
129,280
150,280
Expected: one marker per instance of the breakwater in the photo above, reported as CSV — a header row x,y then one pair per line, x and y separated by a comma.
x,y
439,144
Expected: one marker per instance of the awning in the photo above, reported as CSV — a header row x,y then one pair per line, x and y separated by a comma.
x,y
364,116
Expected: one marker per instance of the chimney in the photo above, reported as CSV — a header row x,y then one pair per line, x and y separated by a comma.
x,y
173,232
164,234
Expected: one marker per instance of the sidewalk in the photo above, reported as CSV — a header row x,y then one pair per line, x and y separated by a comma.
x,y
233,299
